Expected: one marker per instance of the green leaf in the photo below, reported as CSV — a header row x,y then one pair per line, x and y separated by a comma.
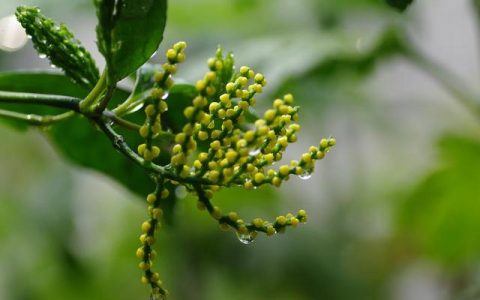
x,y
442,215
58,44
72,136
129,32
399,4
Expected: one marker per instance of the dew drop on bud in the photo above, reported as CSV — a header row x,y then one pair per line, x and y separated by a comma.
x,y
165,95
254,152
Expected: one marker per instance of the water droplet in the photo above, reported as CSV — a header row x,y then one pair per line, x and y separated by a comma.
x,y
42,55
181,192
245,238
305,176
254,152
165,95
29,37
53,66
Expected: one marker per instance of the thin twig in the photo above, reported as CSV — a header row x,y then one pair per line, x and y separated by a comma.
x,y
36,120
65,102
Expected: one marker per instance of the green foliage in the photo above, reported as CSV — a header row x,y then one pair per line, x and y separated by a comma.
x,y
129,32
58,44
442,214
400,4
75,132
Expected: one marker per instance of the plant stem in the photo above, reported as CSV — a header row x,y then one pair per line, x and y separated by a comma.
x,y
119,143
36,119
447,80
120,121
58,101
123,108
95,93
102,105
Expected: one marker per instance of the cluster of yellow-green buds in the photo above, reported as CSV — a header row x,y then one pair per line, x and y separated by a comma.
x,y
146,253
218,148
156,104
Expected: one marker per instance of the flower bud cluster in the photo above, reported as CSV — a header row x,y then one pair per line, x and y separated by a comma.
x,y
156,104
146,253
217,148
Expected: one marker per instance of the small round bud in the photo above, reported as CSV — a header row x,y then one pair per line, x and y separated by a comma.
x,y
180,46
233,216
200,85
141,149
294,221
259,178
150,110
244,70
259,78
281,220
270,230
276,181
155,277
145,280
216,213
323,143
230,87
146,226
202,135
257,222
171,55
144,266
181,57
242,229
151,198
140,253
155,151
203,156
288,98
143,131
284,170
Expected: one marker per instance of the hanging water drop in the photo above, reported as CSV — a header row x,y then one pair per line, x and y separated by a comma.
x,y
181,192
305,176
42,55
245,238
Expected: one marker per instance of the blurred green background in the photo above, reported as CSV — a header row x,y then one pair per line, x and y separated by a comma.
x,y
394,209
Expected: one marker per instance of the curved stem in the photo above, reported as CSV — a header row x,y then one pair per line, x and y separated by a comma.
x,y
96,92
102,105
120,121
447,80
36,119
123,108
58,101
